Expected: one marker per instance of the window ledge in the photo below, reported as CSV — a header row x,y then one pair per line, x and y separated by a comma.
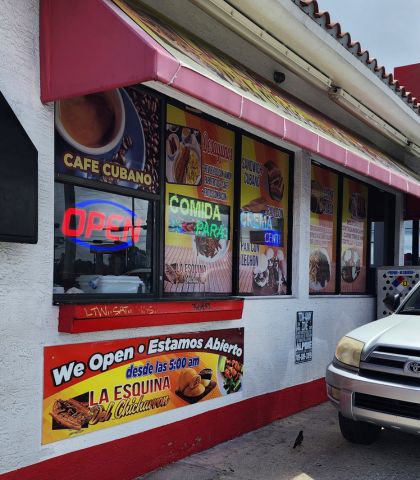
x,y
114,316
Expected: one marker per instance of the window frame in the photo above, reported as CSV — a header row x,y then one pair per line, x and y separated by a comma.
x,y
370,281
158,203
61,298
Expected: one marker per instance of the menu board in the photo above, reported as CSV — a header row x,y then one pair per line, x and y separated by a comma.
x,y
263,219
354,237
322,258
91,386
112,137
199,203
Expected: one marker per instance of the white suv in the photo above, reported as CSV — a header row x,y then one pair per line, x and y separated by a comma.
x,y
374,379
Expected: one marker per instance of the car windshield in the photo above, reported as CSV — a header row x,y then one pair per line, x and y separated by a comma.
x,y
412,305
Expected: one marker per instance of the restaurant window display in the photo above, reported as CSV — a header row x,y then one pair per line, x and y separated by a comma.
x,y
109,239
264,213
199,204
354,237
107,156
323,231
103,242
342,216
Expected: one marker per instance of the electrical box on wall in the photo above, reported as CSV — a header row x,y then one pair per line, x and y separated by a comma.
x,y
18,180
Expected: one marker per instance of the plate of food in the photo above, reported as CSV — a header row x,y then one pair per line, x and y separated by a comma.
x,y
183,155
186,167
229,375
350,265
193,386
319,269
210,249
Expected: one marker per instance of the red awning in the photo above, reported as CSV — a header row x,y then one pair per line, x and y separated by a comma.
x,y
88,46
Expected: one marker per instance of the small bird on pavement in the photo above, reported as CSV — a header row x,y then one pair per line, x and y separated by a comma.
x,y
299,439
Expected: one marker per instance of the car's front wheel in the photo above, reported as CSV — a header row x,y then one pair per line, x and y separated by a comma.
x,y
358,432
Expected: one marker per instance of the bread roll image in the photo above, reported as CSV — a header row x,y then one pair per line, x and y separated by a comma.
x,y
194,392
188,378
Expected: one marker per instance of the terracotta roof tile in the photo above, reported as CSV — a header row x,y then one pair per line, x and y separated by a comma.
x,y
310,7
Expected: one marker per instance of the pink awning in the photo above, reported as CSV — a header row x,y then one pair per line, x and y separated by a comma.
x,y
94,45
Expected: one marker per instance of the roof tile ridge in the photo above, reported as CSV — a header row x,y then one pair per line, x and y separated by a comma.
x,y
323,19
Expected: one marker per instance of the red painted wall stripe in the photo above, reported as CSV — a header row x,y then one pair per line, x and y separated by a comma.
x,y
113,316
132,456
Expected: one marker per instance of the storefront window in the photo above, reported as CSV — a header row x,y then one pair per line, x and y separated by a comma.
x,y
323,233
102,242
408,242
199,205
103,238
263,219
353,237
352,233
382,230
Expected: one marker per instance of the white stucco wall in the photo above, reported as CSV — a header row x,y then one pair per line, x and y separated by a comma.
x,y
28,321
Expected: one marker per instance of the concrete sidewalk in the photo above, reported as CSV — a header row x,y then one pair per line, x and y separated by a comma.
x,y
267,454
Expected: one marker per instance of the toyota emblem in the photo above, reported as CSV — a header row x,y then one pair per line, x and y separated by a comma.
x,y
412,367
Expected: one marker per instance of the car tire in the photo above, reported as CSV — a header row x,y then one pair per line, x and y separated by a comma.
x,y
362,433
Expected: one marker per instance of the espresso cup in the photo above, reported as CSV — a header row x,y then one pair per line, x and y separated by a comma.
x,y
93,124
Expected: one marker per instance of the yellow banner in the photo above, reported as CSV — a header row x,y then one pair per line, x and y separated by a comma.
x,y
92,386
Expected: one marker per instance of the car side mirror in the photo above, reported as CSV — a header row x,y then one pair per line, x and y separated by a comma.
x,y
392,302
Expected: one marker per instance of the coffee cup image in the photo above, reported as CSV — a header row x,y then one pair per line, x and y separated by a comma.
x,y
206,375
93,124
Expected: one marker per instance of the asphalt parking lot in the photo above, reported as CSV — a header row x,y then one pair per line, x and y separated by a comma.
x,y
268,454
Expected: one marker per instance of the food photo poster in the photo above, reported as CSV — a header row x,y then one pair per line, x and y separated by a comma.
x,y
263,219
199,204
324,206
110,137
354,237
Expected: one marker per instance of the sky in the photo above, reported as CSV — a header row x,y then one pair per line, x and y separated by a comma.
x,y
389,29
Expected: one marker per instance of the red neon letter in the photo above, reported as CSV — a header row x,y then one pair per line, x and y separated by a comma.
x,y
80,226
136,231
113,225
92,225
128,227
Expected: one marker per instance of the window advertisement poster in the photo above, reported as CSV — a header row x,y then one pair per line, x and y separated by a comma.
x,y
354,237
324,205
263,219
304,334
110,137
91,386
199,204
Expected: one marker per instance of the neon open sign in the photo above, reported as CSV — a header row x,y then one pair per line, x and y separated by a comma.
x,y
119,226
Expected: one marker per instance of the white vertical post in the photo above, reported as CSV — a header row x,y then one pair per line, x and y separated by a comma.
x,y
301,224
399,230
